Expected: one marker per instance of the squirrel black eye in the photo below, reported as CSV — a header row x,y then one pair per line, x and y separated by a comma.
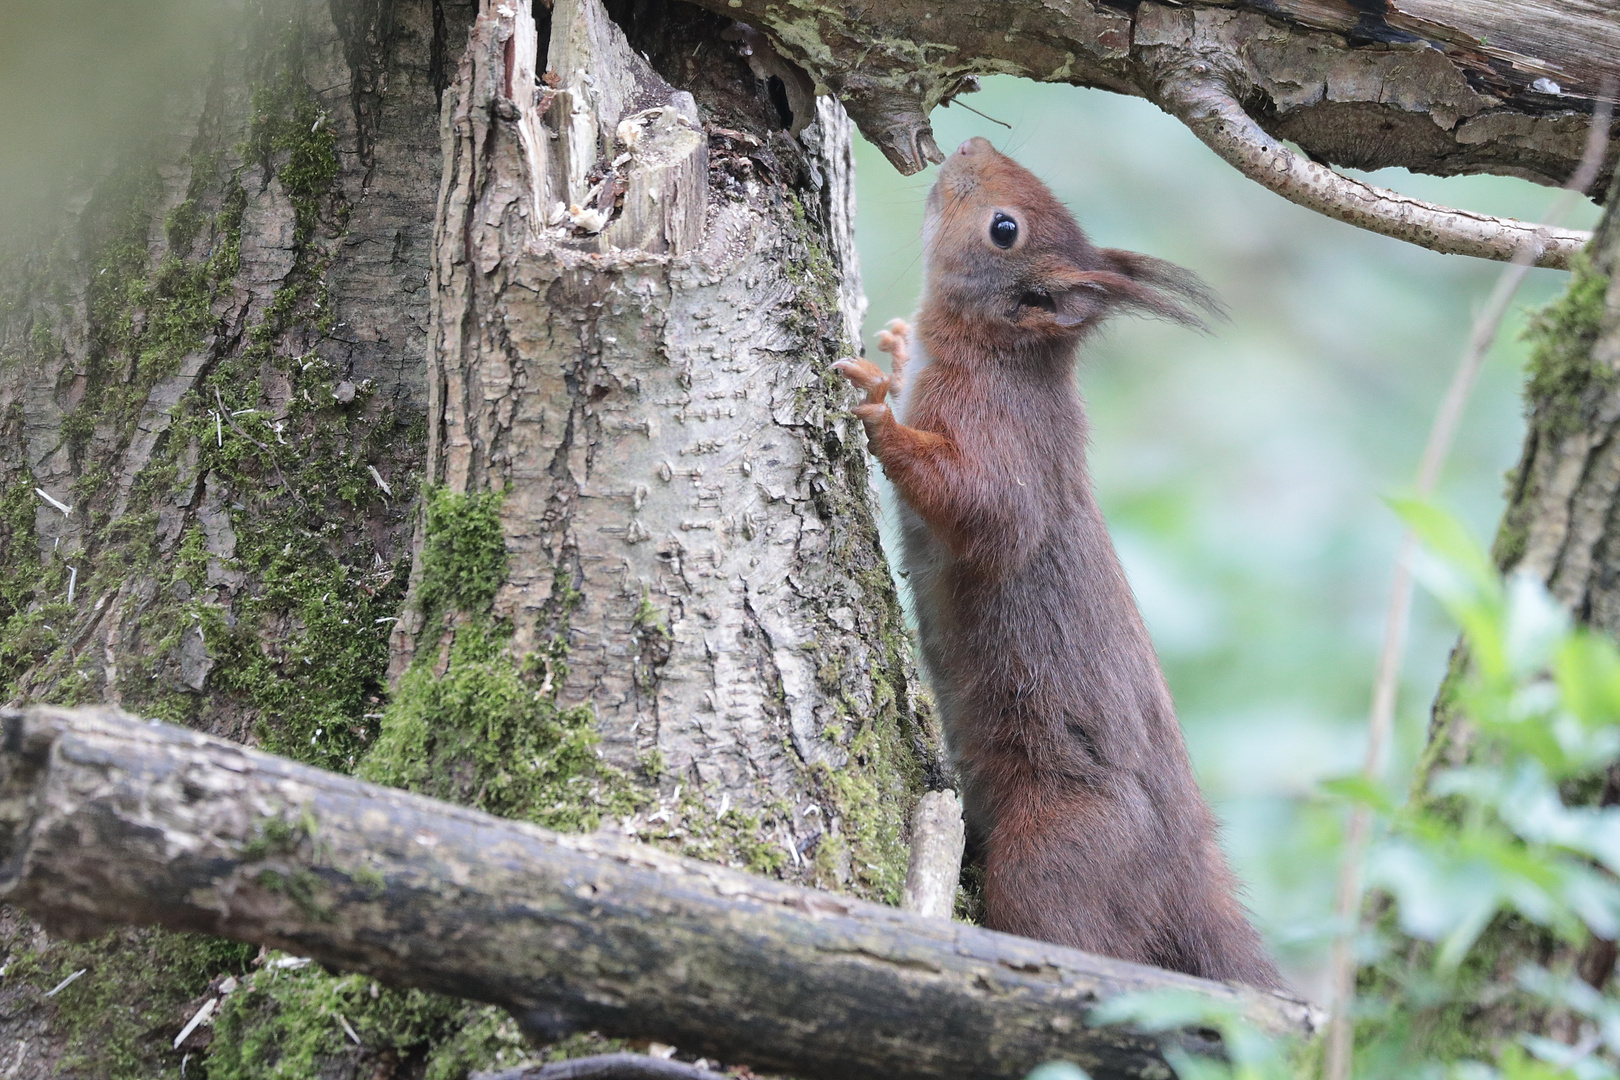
x,y
1003,231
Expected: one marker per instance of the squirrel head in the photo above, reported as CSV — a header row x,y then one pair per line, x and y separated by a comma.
x,y
1005,256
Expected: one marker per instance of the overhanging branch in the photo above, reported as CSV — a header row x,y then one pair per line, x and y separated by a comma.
x,y
1207,106
1440,86
106,820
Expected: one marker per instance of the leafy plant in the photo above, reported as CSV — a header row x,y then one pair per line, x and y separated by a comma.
x,y
1500,830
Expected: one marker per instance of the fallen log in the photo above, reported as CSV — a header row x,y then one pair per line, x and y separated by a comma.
x,y
106,819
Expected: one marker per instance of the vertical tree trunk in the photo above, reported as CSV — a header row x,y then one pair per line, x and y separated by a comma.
x,y
641,387
1562,524
646,588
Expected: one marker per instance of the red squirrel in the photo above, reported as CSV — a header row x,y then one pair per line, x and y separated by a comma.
x,y
1075,780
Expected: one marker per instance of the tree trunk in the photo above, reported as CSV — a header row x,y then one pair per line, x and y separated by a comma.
x,y
647,590
1561,524
205,356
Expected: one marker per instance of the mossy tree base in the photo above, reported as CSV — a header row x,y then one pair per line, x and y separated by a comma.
x,y
216,358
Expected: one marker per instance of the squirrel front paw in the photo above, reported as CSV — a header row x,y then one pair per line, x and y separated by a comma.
x,y
867,376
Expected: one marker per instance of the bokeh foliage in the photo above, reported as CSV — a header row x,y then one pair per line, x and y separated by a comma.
x,y
1492,879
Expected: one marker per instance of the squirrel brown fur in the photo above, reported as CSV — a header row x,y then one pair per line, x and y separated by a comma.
x,y
1075,780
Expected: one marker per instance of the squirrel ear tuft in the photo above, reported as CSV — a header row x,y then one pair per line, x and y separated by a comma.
x,y
1065,295
1086,296
1164,289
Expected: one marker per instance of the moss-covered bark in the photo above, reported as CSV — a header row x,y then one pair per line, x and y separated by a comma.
x,y
218,362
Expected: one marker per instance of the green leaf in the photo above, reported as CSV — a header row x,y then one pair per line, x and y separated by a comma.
x,y
1360,789
1587,668
1447,537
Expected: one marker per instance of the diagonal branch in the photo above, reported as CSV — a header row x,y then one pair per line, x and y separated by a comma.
x,y
1206,105
108,820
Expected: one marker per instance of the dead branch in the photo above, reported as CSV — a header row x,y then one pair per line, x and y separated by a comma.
x,y
108,820
938,837
1206,105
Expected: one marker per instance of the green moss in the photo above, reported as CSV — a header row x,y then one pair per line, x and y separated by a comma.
x,y
288,1024
654,644
1563,375
1410,1014
483,1037
33,589
870,795
743,840
137,991
463,552
1562,367
289,132
20,563
489,735
294,1023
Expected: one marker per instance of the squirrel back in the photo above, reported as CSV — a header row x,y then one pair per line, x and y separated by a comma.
x,y
1076,782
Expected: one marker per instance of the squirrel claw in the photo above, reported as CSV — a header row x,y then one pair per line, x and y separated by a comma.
x,y
865,375
871,412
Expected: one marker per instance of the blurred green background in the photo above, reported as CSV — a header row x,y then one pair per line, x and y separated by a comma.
x,y
1243,473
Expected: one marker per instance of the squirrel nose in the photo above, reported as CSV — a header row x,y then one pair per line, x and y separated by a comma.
x,y
974,146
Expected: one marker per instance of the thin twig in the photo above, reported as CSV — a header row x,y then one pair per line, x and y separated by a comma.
x,y
1347,907
976,112
1207,105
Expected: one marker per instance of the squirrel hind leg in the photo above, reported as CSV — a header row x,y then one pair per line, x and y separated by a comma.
x,y
1055,870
